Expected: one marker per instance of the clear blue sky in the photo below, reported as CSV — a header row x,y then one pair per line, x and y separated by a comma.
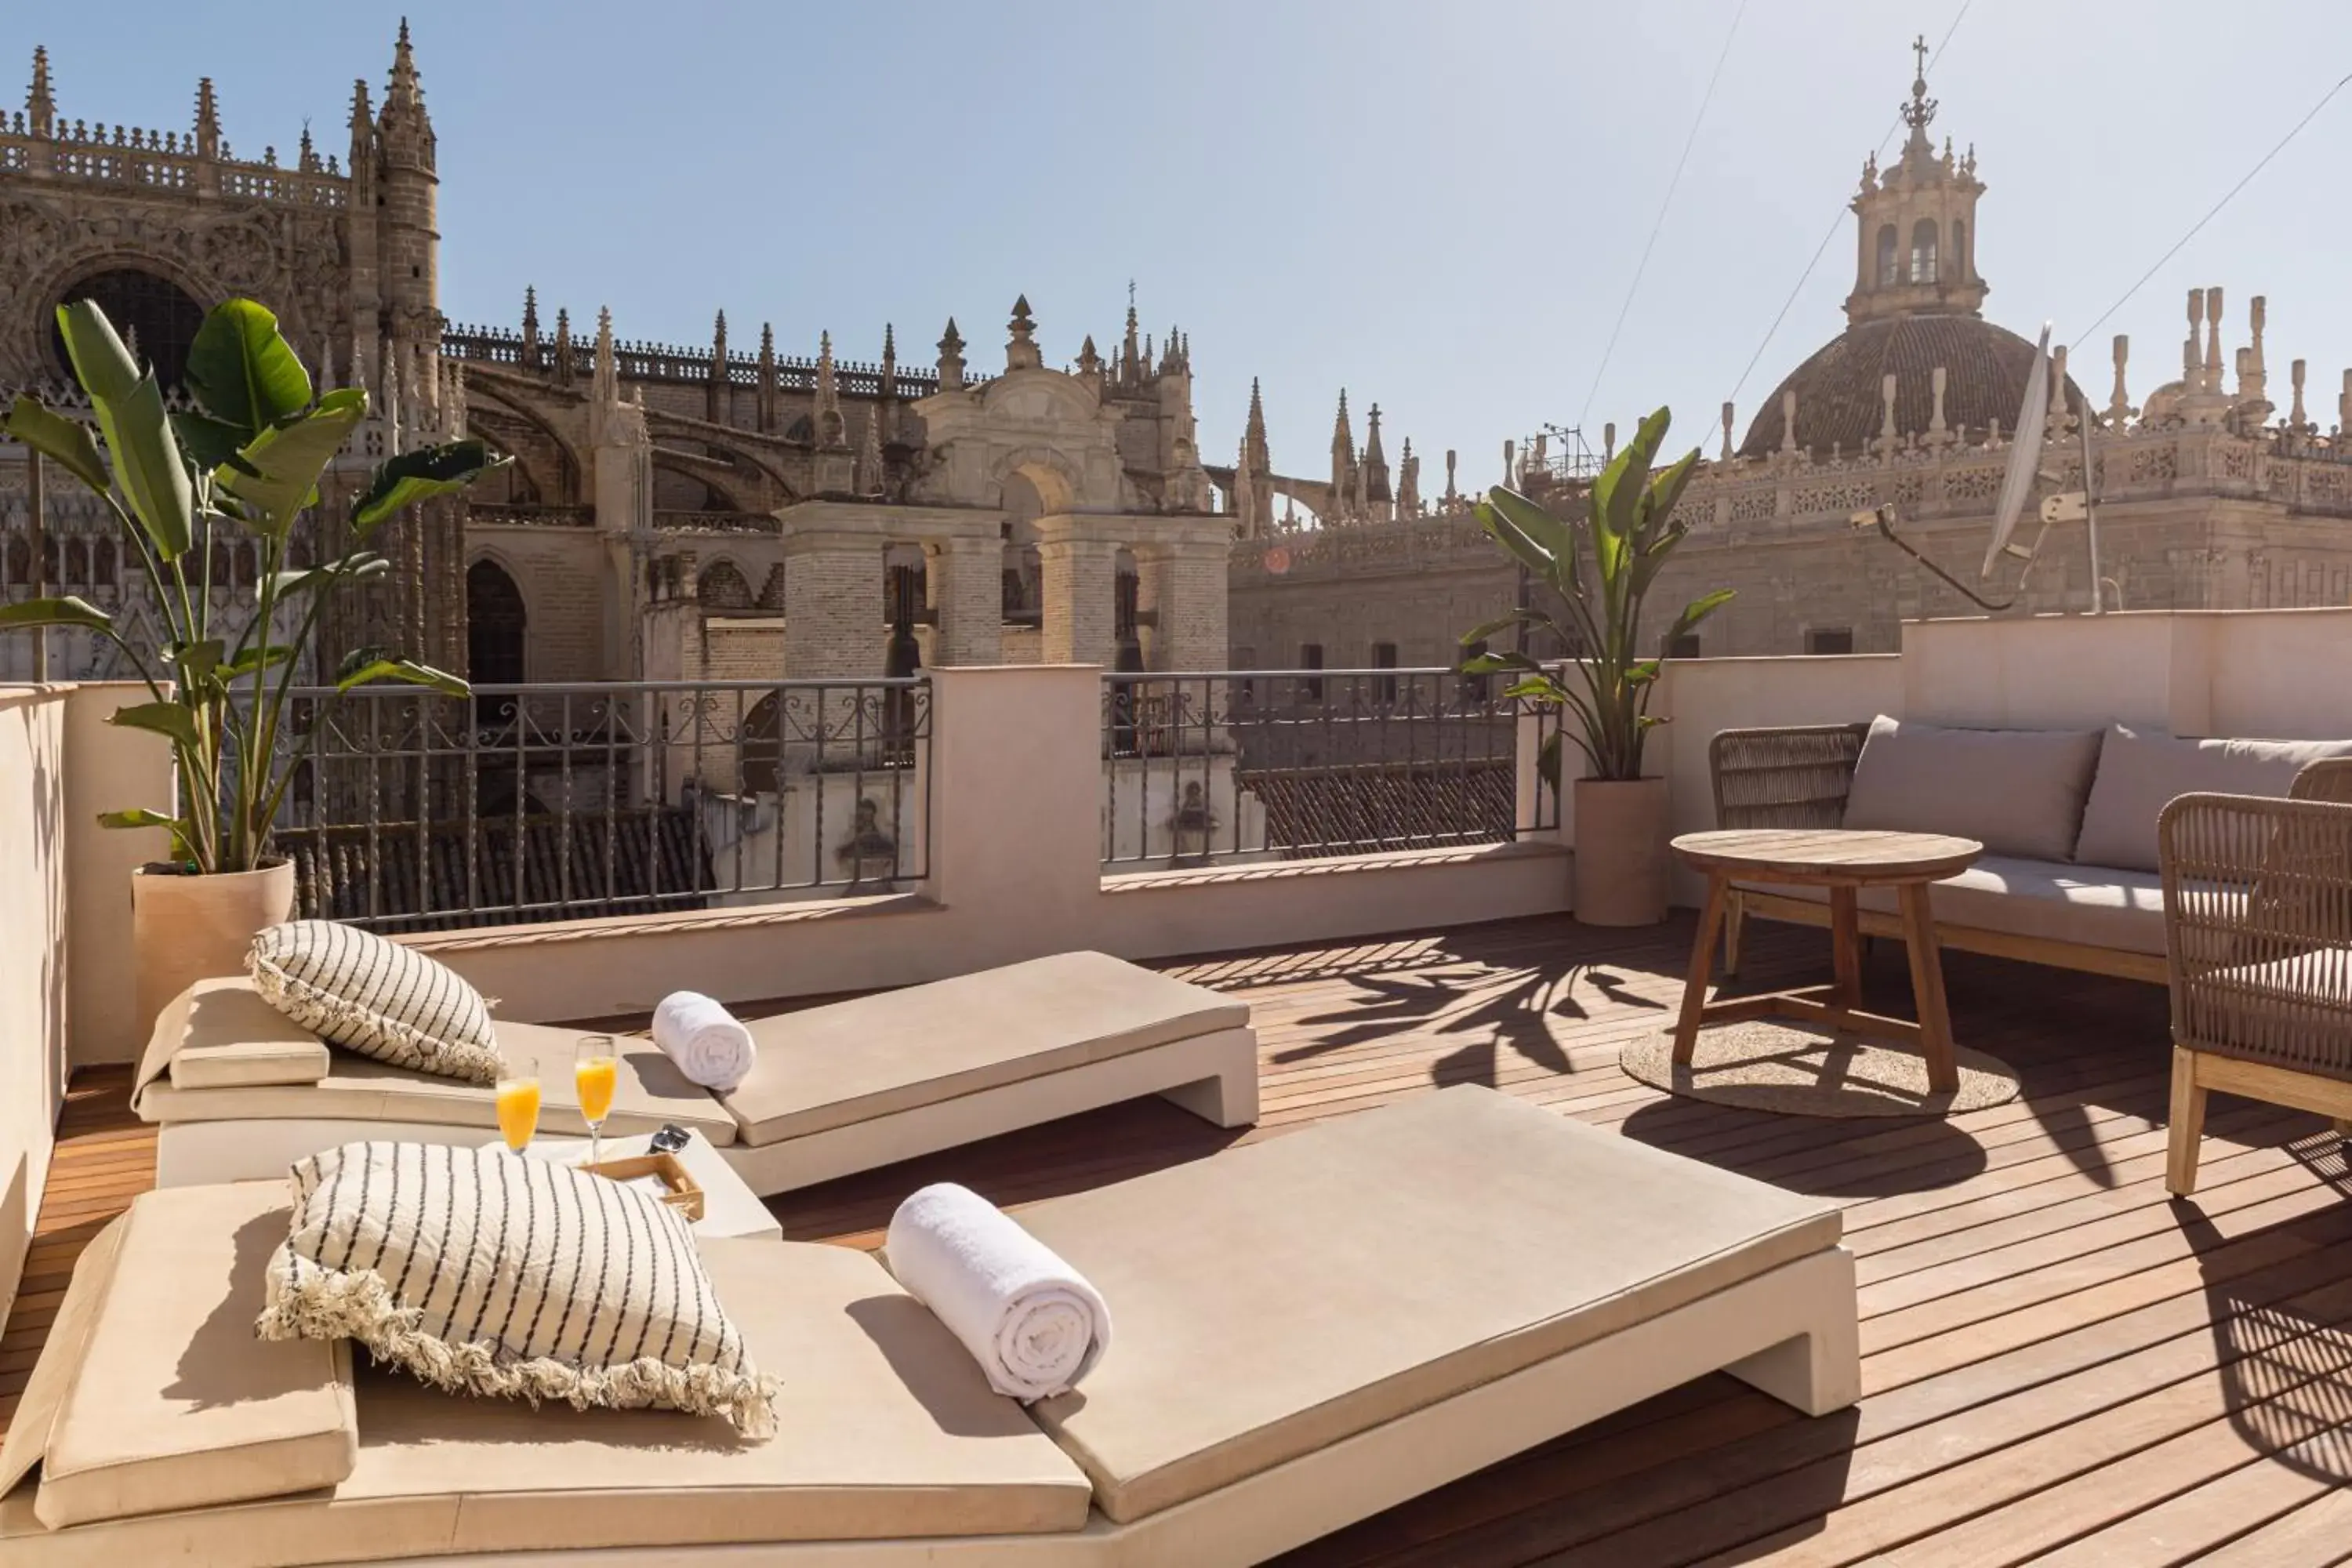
x,y
1438,207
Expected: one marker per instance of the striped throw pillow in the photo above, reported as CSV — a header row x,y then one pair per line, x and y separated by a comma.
x,y
488,1274
352,988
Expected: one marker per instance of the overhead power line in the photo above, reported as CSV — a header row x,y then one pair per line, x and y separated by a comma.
x,y
1697,120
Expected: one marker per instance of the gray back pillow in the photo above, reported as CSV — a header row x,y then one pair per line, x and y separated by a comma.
x,y
2140,770
2016,792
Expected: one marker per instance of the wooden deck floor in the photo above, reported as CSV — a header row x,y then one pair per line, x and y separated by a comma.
x,y
2060,1365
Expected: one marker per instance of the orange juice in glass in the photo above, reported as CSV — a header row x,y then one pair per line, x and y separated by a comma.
x,y
596,1069
518,1110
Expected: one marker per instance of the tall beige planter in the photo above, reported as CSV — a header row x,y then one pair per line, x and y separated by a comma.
x,y
184,929
1620,851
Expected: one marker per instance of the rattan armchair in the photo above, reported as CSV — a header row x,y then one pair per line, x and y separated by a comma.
x,y
2258,915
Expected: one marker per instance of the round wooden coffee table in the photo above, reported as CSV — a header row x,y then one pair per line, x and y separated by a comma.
x,y
1844,861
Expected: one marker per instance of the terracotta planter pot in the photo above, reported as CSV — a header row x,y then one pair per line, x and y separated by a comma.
x,y
184,929
1620,851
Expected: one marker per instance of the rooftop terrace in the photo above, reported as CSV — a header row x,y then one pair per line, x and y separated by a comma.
x,y
2059,1365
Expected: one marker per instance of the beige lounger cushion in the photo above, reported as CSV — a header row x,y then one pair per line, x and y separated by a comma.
x,y
173,1404
224,1013
2049,901
376,997
1276,1299
250,1063
875,1056
885,1430
508,1278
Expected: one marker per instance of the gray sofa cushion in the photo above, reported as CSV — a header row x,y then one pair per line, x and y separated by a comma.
x,y
2051,900
2140,770
2016,792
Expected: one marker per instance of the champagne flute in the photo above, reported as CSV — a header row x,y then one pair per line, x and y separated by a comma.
x,y
596,1069
518,1112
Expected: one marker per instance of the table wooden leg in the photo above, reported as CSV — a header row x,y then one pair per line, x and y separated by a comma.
x,y
1845,947
1927,988
1702,960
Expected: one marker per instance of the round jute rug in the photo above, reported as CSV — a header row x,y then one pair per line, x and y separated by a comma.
x,y
1799,1070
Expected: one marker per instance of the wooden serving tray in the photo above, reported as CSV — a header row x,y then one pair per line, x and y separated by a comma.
x,y
679,1190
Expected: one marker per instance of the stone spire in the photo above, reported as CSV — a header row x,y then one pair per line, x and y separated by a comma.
x,y
951,362
1408,491
1374,470
1129,365
405,89
1021,346
1343,457
207,119
2297,419
767,396
530,327
363,131
716,391
41,104
2119,409
1451,494
404,126
889,362
606,385
1256,457
830,430
563,366
1089,361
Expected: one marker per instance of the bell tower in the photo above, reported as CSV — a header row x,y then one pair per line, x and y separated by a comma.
x,y
1916,224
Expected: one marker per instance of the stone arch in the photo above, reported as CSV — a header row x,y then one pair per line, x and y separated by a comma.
x,y
497,626
1040,472
1887,244
1922,251
486,395
721,585
66,280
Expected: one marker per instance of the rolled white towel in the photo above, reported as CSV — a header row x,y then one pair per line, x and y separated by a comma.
x,y
1032,1322
710,1045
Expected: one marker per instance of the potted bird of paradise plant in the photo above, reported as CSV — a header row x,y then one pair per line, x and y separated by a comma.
x,y
1628,529
248,461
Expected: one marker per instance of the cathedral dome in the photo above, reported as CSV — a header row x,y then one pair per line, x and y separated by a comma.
x,y
1840,389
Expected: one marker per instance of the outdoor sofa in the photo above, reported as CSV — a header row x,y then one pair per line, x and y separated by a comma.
x,y
1310,1329
2070,876
238,1092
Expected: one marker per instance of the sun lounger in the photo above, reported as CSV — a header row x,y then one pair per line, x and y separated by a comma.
x,y
240,1093
1310,1329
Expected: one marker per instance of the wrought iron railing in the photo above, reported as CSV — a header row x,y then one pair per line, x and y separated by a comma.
x,y
411,811
1305,763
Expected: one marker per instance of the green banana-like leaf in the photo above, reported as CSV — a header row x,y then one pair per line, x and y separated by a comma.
x,y
197,659
66,610
173,721
140,816
253,659
1490,663
211,443
405,670
288,461
65,442
1558,539
420,474
243,373
1479,634
357,567
147,463
1698,609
